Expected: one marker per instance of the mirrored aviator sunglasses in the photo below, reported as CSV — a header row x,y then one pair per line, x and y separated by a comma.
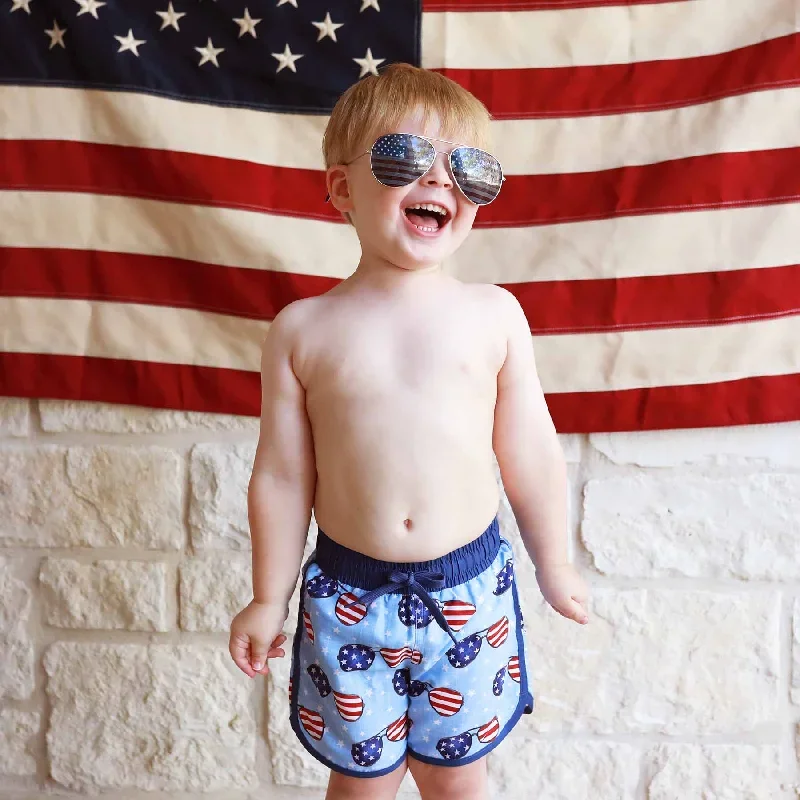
x,y
398,159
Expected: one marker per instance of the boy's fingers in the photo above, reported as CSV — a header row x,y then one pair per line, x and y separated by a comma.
x,y
578,613
238,647
279,640
258,656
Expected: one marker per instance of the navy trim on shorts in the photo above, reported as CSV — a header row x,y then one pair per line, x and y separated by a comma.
x,y
363,572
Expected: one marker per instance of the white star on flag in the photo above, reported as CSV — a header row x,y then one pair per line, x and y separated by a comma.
x,y
246,24
365,4
286,59
283,2
16,5
327,27
89,7
129,43
209,53
368,64
56,35
170,17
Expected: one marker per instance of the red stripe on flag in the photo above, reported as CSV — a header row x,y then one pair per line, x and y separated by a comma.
x,y
526,93
747,401
710,181
155,280
145,383
531,5
179,177
656,301
551,306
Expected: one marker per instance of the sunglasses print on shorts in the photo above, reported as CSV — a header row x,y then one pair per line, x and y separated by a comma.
x,y
348,610
452,748
466,651
445,702
360,657
512,670
368,752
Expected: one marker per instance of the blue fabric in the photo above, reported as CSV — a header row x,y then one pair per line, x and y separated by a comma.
x,y
373,680
363,572
413,583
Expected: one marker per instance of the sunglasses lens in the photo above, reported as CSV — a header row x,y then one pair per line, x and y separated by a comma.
x,y
401,158
477,173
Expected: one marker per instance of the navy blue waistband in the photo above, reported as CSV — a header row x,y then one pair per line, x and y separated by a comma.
x,y
364,572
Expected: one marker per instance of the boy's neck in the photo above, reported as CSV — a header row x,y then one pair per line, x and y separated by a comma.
x,y
381,274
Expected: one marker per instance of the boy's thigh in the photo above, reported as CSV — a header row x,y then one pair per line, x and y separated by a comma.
x,y
345,787
467,782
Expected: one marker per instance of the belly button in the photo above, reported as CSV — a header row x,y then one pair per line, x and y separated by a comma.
x,y
407,523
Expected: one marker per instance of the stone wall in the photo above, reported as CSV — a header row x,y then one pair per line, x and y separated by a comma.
x,y
124,555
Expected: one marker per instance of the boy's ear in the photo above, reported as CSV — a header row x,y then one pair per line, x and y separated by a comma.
x,y
338,188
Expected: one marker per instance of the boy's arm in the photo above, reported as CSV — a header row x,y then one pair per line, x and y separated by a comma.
x,y
281,490
525,442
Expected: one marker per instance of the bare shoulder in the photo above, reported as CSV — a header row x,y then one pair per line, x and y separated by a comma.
x,y
500,305
292,319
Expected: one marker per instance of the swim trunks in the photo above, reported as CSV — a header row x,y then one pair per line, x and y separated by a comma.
x,y
393,659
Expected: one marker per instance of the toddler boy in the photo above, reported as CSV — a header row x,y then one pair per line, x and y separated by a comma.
x,y
383,403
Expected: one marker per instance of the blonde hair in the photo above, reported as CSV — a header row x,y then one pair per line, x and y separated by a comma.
x,y
378,102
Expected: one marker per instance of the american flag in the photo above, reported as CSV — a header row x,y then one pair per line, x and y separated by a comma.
x,y
162,192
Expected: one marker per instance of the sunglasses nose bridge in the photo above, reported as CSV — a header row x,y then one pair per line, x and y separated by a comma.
x,y
439,172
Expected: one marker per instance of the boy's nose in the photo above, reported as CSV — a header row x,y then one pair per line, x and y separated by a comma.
x,y
438,174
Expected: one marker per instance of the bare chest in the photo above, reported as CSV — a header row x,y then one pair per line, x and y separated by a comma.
x,y
392,359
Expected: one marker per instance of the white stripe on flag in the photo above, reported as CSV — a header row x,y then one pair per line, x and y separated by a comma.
x,y
652,244
535,146
580,362
614,34
115,330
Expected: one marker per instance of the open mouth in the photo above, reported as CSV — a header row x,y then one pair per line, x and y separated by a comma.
x,y
427,217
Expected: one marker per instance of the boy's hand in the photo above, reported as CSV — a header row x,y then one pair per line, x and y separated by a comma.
x,y
565,590
256,636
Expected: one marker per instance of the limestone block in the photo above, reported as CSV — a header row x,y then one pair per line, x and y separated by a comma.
x,y
90,497
521,768
59,416
651,525
14,417
571,445
666,662
16,730
724,772
130,595
775,444
218,515
157,717
213,591
16,653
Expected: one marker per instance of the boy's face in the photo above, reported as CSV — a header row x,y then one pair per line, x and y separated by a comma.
x,y
388,227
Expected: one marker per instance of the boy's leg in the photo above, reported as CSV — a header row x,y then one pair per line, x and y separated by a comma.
x,y
344,787
469,782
